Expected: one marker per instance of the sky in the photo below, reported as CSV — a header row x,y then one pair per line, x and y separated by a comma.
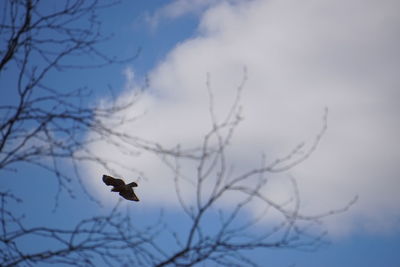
x,y
299,59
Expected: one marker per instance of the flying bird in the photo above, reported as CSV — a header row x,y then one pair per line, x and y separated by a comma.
x,y
125,190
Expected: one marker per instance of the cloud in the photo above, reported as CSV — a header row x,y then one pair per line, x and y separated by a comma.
x,y
179,8
301,56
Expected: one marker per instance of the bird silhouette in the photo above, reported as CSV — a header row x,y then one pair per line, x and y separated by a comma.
x,y
125,190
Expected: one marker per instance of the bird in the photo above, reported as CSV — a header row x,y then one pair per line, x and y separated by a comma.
x,y
125,190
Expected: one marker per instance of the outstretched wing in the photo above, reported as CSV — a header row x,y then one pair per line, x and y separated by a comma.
x,y
129,194
108,180
133,184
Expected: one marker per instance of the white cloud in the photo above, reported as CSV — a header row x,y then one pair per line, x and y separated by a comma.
x,y
179,8
301,56
176,9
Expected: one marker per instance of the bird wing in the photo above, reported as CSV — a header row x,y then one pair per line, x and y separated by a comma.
x,y
133,184
108,180
129,195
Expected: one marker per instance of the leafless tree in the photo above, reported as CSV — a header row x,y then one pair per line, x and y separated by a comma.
x,y
222,236
46,126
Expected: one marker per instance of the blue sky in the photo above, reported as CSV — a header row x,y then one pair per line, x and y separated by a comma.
x,y
300,57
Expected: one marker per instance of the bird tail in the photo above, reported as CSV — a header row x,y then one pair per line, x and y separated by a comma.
x,y
133,184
